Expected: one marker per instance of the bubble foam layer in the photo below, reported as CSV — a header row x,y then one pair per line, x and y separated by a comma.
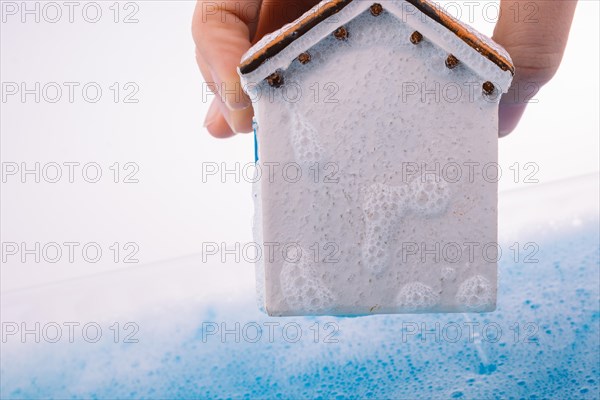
x,y
304,139
540,343
385,206
302,287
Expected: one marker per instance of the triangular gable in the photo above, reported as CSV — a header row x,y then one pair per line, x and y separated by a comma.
x,y
277,50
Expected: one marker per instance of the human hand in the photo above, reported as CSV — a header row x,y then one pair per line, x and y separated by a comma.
x,y
534,33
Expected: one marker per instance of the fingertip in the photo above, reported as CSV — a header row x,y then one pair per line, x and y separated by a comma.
x,y
230,89
242,120
239,121
220,128
215,122
509,116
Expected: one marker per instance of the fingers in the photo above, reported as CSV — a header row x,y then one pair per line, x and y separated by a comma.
x,y
535,34
215,122
220,120
221,31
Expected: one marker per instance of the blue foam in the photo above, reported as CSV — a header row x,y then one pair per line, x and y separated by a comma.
x,y
554,304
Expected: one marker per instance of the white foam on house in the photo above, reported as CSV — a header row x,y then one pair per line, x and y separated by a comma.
x,y
303,288
385,206
304,138
259,266
417,296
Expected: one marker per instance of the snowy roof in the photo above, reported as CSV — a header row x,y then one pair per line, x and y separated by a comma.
x,y
481,53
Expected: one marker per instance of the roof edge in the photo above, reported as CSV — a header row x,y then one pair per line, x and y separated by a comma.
x,y
461,31
322,11
296,29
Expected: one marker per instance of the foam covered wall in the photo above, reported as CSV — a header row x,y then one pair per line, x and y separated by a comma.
x,y
376,147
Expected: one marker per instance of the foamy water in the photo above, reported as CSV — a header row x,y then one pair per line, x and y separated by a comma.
x,y
548,324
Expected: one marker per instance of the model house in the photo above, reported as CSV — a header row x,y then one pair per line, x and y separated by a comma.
x,y
378,123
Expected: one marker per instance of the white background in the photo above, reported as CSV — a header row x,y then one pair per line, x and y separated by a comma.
x,y
171,212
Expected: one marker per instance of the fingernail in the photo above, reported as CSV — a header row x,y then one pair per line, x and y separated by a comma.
x,y
235,99
241,120
213,114
243,103
231,92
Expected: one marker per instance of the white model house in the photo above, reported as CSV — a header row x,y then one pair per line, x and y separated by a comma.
x,y
376,128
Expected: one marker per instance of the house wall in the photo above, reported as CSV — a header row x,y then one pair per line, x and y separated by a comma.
x,y
362,121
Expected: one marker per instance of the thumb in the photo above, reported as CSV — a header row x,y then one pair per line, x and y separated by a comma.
x,y
221,31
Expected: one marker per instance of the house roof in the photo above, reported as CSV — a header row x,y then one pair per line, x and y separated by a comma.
x,y
271,45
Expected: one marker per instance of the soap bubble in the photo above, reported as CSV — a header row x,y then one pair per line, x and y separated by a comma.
x,y
416,296
431,195
475,293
